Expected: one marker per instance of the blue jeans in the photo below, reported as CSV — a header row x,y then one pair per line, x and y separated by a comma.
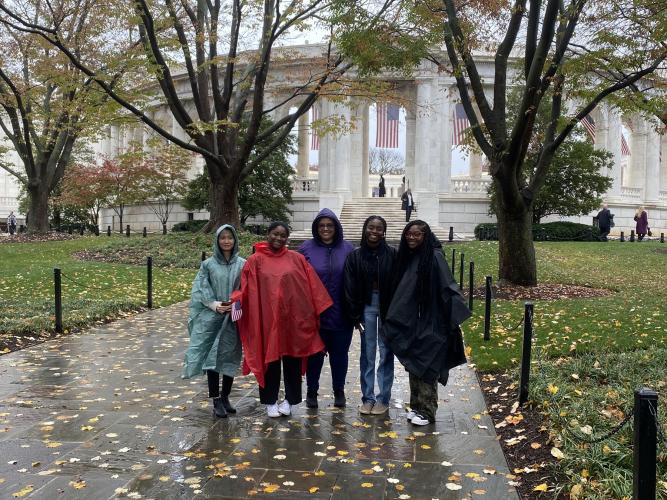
x,y
370,343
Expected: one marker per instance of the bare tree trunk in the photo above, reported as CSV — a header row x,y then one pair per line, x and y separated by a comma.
x,y
224,202
516,251
38,209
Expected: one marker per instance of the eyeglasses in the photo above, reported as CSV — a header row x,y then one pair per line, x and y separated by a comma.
x,y
326,226
414,235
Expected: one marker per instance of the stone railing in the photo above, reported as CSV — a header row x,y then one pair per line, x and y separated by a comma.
x,y
663,196
631,192
472,186
304,185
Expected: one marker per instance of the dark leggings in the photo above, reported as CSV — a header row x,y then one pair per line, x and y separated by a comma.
x,y
337,343
291,367
214,384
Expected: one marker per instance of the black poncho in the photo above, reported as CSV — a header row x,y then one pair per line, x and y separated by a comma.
x,y
427,338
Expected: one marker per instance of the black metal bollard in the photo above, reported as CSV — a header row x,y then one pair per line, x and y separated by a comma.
x,y
149,282
481,234
127,230
144,233
108,230
487,310
632,236
622,236
454,263
81,230
461,271
97,230
525,354
58,293
203,256
471,284
164,229
21,228
69,229
451,233
645,443
662,237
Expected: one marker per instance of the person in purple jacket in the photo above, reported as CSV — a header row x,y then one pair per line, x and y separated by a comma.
x,y
326,252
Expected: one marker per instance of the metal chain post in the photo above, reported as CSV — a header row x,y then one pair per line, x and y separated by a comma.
x,y
57,286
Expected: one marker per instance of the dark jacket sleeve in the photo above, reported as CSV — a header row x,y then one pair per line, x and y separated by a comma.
x,y
352,305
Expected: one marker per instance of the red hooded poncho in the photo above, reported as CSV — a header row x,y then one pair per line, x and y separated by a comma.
x,y
282,299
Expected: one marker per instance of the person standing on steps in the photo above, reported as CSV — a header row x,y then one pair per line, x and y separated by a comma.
x,y
422,325
327,252
214,346
282,299
367,284
382,190
407,204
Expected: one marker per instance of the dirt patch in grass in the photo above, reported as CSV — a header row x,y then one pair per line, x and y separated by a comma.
x,y
523,435
129,255
543,291
36,238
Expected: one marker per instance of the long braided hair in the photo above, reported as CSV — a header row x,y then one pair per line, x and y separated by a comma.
x,y
425,255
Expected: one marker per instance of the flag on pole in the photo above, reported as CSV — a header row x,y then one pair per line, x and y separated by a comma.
x,y
461,124
237,312
625,149
589,124
386,133
314,138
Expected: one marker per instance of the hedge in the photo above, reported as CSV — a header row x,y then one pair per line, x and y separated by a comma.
x,y
192,225
551,231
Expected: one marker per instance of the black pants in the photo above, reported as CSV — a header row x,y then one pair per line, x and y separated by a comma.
x,y
337,343
291,366
604,232
213,378
408,212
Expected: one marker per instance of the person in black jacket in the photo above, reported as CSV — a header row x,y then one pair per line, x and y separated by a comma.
x,y
605,219
422,323
367,285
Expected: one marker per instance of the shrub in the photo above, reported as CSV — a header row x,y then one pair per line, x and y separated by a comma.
x,y
192,226
551,231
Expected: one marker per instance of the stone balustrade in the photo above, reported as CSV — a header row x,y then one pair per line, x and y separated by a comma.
x,y
663,196
304,185
470,185
631,192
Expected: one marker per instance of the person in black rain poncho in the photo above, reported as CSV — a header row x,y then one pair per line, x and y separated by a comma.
x,y
422,326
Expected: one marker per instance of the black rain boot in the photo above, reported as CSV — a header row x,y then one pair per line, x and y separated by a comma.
x,y
311,398
339,398
218,408
227,382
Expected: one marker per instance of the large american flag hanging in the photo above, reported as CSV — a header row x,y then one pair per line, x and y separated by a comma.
x,y
314,138
386,134
461,124
589,125
625,149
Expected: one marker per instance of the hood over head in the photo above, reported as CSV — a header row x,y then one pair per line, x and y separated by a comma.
x,y
217,251
326,212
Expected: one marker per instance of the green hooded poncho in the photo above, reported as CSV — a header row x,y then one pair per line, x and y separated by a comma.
x,y
214,339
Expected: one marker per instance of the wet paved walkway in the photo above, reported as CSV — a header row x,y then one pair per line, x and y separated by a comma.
x,y
105,414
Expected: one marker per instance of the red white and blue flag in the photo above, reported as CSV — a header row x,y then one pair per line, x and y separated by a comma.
x,y
237,312
625,149
386,133
589,124
461,124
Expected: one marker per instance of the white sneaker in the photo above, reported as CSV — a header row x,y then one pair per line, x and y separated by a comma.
x,y
419,420
410,415
285,408
272,410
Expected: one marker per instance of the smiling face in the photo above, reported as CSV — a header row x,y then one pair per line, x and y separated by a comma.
x,y
326,230
374,232
414,237
277,238
226,241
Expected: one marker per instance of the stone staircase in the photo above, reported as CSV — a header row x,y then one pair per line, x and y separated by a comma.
x,y
356,210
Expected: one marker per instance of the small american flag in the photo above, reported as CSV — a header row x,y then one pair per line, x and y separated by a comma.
x,y
625,149
461,124
314,138
589,124
386,134
237,312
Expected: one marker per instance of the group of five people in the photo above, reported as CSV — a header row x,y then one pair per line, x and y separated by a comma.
x,y
285,310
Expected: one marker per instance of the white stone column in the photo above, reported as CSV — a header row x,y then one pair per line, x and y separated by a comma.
x,y
614,147
475,165
652,167
426,141
114,140
410,143
445,164
638,143
663,164
324,165
356,144
365,163
303,162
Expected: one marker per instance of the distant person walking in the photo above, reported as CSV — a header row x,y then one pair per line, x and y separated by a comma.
x,y
605,220
11,223
215,346
422,326
368,281
407,204
641,217
382,191
327,252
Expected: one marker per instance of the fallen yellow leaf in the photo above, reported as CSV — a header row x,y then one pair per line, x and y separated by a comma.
x,y
541,487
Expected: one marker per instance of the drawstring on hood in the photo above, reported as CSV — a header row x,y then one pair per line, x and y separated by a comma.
x,y
217,251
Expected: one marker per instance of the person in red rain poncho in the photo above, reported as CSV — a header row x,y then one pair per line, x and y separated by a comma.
x,y
282,298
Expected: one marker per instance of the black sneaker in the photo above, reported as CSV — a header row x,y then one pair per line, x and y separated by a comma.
x,y
311,399
218,408
339,398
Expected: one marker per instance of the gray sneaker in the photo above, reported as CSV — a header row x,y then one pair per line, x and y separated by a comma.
x,y
379,409
366,408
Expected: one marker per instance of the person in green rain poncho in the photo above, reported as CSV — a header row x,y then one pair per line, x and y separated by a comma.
x,y
215,346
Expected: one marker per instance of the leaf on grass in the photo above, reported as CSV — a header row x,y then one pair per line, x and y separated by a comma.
x,y
541,487
556,453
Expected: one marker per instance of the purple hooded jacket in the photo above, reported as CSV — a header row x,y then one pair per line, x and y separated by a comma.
x,y
329,262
